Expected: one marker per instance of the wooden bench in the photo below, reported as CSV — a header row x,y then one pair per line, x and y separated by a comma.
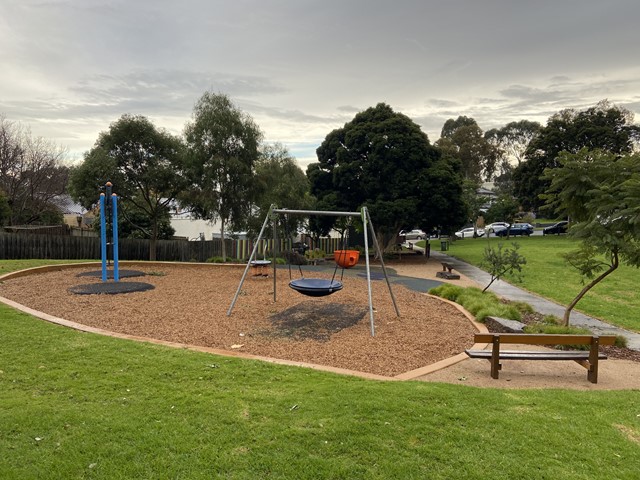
x,y
447,272
586,358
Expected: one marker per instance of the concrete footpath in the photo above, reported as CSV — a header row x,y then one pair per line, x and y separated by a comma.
x,y
542,305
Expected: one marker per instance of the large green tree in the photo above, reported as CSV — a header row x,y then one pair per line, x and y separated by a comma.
x,y
512,142
223,144
146,167
464,140
600,192
514,138
279,181
381,159
604,126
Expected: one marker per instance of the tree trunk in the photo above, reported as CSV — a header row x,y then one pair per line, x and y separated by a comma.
x,y
224,247
589,286
153,242
383,246
491,282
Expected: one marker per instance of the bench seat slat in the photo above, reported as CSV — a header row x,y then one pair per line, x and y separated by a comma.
x,y
533,355
543,338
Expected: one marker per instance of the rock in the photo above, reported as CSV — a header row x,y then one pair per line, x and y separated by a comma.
x,y
503,325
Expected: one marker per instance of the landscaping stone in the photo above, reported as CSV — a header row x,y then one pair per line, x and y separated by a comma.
x,y
503,325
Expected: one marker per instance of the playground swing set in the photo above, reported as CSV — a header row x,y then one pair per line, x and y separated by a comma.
x,y
320,287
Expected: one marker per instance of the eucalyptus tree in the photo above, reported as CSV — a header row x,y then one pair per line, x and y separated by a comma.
x,y
279,181
464,140
605,126
514,138
223,147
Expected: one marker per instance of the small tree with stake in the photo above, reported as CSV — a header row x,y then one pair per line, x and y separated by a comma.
x,y
502,261
600,192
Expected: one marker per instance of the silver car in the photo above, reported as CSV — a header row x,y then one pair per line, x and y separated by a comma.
x,y
412,235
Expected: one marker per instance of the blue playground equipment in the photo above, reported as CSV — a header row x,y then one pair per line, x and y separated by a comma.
x,y
104,214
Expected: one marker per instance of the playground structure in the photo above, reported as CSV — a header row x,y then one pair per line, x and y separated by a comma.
x,y
318,287
104,214
109,213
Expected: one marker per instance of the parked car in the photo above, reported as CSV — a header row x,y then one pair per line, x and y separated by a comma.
x,y
556,228
412,235
468,232
524,229
496,226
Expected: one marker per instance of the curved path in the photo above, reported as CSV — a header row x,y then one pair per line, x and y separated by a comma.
x,y
542,305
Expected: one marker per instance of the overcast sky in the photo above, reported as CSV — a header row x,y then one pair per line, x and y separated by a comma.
x,y
302,68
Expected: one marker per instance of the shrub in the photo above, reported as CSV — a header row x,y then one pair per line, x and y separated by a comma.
x,y
556,329
480,305
448,291
523,307
315,254
551,320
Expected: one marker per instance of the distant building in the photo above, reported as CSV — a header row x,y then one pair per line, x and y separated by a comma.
x,y
190,228
73,214
489,197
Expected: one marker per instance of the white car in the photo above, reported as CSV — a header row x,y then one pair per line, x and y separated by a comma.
x,y
413,235
468,232
496,226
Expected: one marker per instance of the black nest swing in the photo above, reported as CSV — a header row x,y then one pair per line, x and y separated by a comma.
x,y
315,287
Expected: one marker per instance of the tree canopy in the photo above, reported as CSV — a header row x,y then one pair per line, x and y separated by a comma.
x,y
279,181
463,139
514,138
604,126
600,192
383,160
144,164
223,146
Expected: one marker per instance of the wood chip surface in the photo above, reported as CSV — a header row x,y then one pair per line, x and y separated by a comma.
x,y
189,305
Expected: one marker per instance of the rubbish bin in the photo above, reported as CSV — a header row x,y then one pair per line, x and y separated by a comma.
x,y
444,245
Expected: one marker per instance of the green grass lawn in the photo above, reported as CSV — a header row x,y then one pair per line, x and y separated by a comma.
x,y
615,300
7,266
77,405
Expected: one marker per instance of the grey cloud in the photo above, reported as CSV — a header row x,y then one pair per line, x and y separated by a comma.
x,y
349,109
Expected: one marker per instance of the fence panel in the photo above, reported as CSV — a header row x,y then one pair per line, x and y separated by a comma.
x,y
67,247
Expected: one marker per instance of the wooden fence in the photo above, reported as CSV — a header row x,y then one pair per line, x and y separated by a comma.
x,y
66,247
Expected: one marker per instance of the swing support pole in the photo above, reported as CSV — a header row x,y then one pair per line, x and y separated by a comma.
x,y
366,220
379,253
366,262
251,258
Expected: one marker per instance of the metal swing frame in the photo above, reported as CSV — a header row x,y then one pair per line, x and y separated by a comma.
x,y
366,221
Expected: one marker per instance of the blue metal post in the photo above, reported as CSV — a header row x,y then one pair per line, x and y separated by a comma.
x,y
114,204
103,238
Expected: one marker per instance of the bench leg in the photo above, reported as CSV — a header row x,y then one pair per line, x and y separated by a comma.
x,y
495,357
592,373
